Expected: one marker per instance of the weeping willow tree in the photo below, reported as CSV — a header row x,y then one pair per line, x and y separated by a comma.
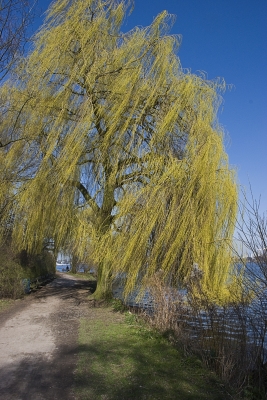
x,y
128,157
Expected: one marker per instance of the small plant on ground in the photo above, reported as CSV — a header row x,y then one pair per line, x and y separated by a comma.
x,y
5,303
118,305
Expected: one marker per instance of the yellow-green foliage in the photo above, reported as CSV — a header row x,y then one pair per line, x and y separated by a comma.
x,y
126,152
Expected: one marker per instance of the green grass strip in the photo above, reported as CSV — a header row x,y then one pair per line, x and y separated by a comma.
x,y
5,303
83,275
121,359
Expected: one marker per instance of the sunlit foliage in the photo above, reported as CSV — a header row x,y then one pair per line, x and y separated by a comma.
x,y
128,157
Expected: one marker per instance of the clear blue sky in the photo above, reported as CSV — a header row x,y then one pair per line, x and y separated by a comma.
x,y
225,38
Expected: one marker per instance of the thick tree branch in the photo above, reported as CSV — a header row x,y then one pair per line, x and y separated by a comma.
x,y
86,195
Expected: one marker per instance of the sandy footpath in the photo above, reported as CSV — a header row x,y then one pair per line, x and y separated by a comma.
x,y
38,341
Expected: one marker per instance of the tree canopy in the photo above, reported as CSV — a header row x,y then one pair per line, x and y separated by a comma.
x,y
15,18
116,149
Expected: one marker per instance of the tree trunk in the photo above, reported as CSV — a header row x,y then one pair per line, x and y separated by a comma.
x,y
105,218
104,282
74,263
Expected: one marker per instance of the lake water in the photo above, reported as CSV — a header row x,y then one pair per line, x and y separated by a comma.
x,y
63,267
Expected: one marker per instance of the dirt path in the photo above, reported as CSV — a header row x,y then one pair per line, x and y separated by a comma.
x,y
38,341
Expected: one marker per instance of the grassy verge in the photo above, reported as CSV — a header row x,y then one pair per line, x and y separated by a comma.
x,y
121,359
83,275
5,303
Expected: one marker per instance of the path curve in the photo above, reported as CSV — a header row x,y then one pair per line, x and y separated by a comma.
x,y
38,341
